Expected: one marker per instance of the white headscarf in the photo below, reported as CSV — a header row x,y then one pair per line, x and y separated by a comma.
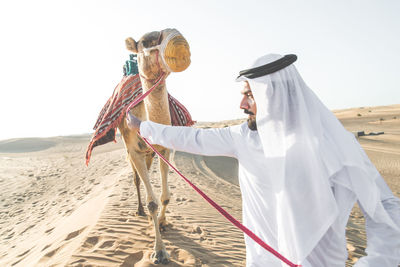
x,y
305,145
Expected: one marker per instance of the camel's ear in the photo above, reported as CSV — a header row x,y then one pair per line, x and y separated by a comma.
x,y
131,45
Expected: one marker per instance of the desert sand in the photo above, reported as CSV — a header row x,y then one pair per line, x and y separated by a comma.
x,y
55,211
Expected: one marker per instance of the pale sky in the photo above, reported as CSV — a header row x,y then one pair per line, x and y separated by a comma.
x,y
60,60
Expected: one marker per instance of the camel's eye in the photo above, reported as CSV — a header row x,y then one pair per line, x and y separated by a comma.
x,y
146,44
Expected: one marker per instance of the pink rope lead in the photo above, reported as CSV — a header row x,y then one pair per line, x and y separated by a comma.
x,y
160,79
223,212
137,101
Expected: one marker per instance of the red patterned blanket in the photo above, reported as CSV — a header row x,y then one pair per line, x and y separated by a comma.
x,y
115,108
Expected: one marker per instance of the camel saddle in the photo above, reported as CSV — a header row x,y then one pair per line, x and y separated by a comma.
x,y
114,110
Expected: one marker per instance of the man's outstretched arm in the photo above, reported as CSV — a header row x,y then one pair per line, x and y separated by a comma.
x,y
210,142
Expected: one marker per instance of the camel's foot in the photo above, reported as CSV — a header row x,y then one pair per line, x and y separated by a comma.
x,y
160,256
140,211
163,224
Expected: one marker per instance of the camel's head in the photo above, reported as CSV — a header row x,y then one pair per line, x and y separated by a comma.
x,y
164,51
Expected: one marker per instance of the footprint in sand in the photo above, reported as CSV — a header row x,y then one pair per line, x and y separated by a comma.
x,y
23,254
10,236
183,256
29,227
200,231
91,242
48,231
46,247
180,199
68,212
74,234
107,244
78,261
197,229
132,259
50,254
122,247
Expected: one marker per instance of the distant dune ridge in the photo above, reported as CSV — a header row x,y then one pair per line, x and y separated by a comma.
x,y
25,145
55,211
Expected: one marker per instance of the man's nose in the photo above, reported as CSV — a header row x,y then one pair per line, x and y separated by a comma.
x,y
244,104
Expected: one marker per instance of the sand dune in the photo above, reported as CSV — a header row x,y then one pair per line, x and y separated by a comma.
x,y
25,145
55,211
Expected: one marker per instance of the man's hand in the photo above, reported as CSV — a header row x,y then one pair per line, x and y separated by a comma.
x,y
133,122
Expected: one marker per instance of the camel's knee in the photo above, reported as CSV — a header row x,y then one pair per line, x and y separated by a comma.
x,y
166,202
152,207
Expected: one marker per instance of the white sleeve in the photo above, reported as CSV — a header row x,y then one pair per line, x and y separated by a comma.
x,y
208,142
383,244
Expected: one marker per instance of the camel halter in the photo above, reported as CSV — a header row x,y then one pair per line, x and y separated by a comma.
x,y
160,53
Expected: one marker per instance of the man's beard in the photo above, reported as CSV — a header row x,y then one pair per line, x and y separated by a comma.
x,y
251,121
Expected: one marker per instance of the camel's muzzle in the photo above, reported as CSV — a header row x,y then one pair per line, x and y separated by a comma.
x,y
177,52
174,51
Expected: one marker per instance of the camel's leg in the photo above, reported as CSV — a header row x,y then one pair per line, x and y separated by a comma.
x,y
149,160
160,254
136,179
165,194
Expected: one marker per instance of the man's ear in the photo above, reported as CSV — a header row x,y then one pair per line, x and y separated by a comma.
x,y
131,45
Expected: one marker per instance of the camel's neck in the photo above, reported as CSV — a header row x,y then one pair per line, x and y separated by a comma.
x,y
157,105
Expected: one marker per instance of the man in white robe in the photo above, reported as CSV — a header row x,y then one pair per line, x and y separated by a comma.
x,y
300,172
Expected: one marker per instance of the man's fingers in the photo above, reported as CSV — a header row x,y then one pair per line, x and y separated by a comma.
x,y
133,122
131,118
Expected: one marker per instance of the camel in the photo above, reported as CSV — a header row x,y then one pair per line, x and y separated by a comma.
x,y
158,53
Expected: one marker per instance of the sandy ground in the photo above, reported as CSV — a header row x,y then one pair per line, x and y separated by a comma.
x,y
55,211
